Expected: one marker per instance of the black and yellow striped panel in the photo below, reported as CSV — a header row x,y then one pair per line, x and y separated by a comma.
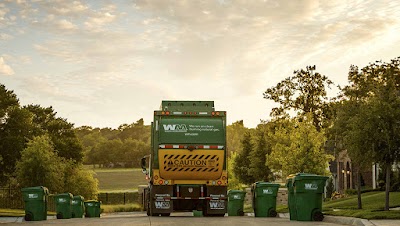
x,y
182,164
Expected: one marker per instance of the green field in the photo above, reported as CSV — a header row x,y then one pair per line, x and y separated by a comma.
x,y
119,180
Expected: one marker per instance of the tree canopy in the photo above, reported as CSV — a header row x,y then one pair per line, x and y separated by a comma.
x,y
298,147
370,115
305,93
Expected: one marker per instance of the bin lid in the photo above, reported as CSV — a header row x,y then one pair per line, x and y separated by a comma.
x,y
92,201
235,191
69,195
306,176
40,189
78,197
289,180
266,184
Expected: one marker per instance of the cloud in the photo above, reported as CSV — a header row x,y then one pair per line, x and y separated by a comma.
x,y
4,68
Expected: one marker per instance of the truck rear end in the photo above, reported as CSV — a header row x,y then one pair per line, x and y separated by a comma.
x,y
187,164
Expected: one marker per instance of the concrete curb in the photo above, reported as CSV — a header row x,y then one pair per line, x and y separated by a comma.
x,y
348,221
4,220
339,220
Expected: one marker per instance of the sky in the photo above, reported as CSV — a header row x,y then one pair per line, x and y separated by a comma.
x,y
104,63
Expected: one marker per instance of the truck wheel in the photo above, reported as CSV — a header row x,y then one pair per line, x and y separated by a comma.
x,y
165,214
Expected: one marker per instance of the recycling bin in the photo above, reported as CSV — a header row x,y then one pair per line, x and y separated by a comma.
x,y
78,207
92,208
63,205
291,197
35,200
264,199
236,202
308,192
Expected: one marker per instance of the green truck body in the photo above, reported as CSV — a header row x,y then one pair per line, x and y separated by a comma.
x,y
187,163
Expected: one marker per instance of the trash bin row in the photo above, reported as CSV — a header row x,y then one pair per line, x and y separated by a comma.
x,y
263,200
67,205
304,198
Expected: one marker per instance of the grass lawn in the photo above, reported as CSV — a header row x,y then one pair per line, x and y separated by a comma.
x,y
372,202
119,179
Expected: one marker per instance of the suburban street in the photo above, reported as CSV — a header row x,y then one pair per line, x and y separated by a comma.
x,y
176,219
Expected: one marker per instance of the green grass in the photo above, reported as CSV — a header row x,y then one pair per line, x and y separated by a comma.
x,y
366,214
121,208
119,179
370,200
373,204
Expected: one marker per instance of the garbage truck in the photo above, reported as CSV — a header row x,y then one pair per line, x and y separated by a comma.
x,y
187,166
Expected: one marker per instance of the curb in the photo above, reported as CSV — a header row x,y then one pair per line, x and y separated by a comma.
x,y
339,220
348,221
4,220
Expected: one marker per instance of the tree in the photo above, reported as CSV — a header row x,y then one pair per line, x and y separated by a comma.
x,y
40,165
257,168
298,147
376,90
80,181
9,105
61,132
14,133
242,161
351,130
234,135
303,93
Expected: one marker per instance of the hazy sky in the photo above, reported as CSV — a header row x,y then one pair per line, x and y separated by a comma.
x,y
105,63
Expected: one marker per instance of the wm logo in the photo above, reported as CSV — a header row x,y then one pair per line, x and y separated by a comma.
x,y
217,205
311,186
175,128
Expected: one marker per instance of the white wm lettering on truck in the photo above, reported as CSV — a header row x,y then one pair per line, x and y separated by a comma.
x,y
162,205
175,128
217,205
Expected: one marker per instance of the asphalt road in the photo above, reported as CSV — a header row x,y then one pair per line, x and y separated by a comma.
x,y
176,219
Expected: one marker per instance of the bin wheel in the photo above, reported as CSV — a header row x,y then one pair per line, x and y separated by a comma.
x,y
73,215
28,217
318,216
59,216
240,212
272,213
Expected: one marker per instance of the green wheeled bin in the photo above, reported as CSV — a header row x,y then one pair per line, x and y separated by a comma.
x,y
291,197
264,199
92,208
236,202
308,191
63,205
78,206
35,199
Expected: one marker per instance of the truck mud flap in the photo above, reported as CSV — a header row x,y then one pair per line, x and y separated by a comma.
x,y
160,201
217,205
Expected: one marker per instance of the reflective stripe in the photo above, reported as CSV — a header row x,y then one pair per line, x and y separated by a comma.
x,y
175,146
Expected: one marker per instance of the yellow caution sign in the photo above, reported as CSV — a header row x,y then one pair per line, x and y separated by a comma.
x,y
182,164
